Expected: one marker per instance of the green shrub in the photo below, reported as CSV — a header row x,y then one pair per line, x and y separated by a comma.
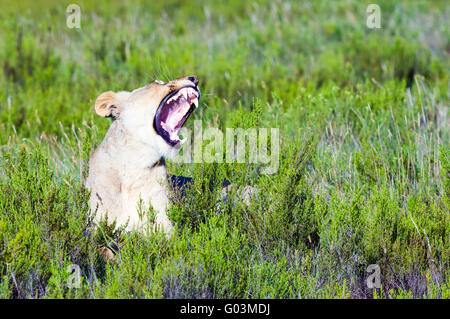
x,y
364,153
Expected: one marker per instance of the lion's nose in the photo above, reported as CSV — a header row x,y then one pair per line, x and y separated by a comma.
x,y
193,79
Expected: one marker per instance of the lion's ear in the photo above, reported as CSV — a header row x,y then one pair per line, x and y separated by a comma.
x,y
108,104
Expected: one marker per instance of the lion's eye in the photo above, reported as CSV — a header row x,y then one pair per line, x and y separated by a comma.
x,y
160,82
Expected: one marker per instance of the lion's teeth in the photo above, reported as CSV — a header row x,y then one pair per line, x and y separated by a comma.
x,y
171,99
165,126
196,102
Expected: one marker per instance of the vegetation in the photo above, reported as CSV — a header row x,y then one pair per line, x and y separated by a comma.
x,y
364,173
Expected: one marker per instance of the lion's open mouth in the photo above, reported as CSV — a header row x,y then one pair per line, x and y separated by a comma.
x,y
173,111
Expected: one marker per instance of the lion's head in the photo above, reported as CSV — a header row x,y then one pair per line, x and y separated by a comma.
x,y
155,113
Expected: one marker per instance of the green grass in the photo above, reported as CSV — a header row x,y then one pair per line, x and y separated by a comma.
x,y
364,162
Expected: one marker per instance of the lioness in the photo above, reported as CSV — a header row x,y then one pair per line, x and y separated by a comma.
x,y
127,172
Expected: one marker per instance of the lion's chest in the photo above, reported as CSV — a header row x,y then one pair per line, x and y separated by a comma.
x,y
149,188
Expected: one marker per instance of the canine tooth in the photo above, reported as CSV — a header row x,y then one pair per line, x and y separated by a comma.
x,y
172,98
165,126
196,102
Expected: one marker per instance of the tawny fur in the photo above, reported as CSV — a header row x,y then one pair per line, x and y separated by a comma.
x,y
126,167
